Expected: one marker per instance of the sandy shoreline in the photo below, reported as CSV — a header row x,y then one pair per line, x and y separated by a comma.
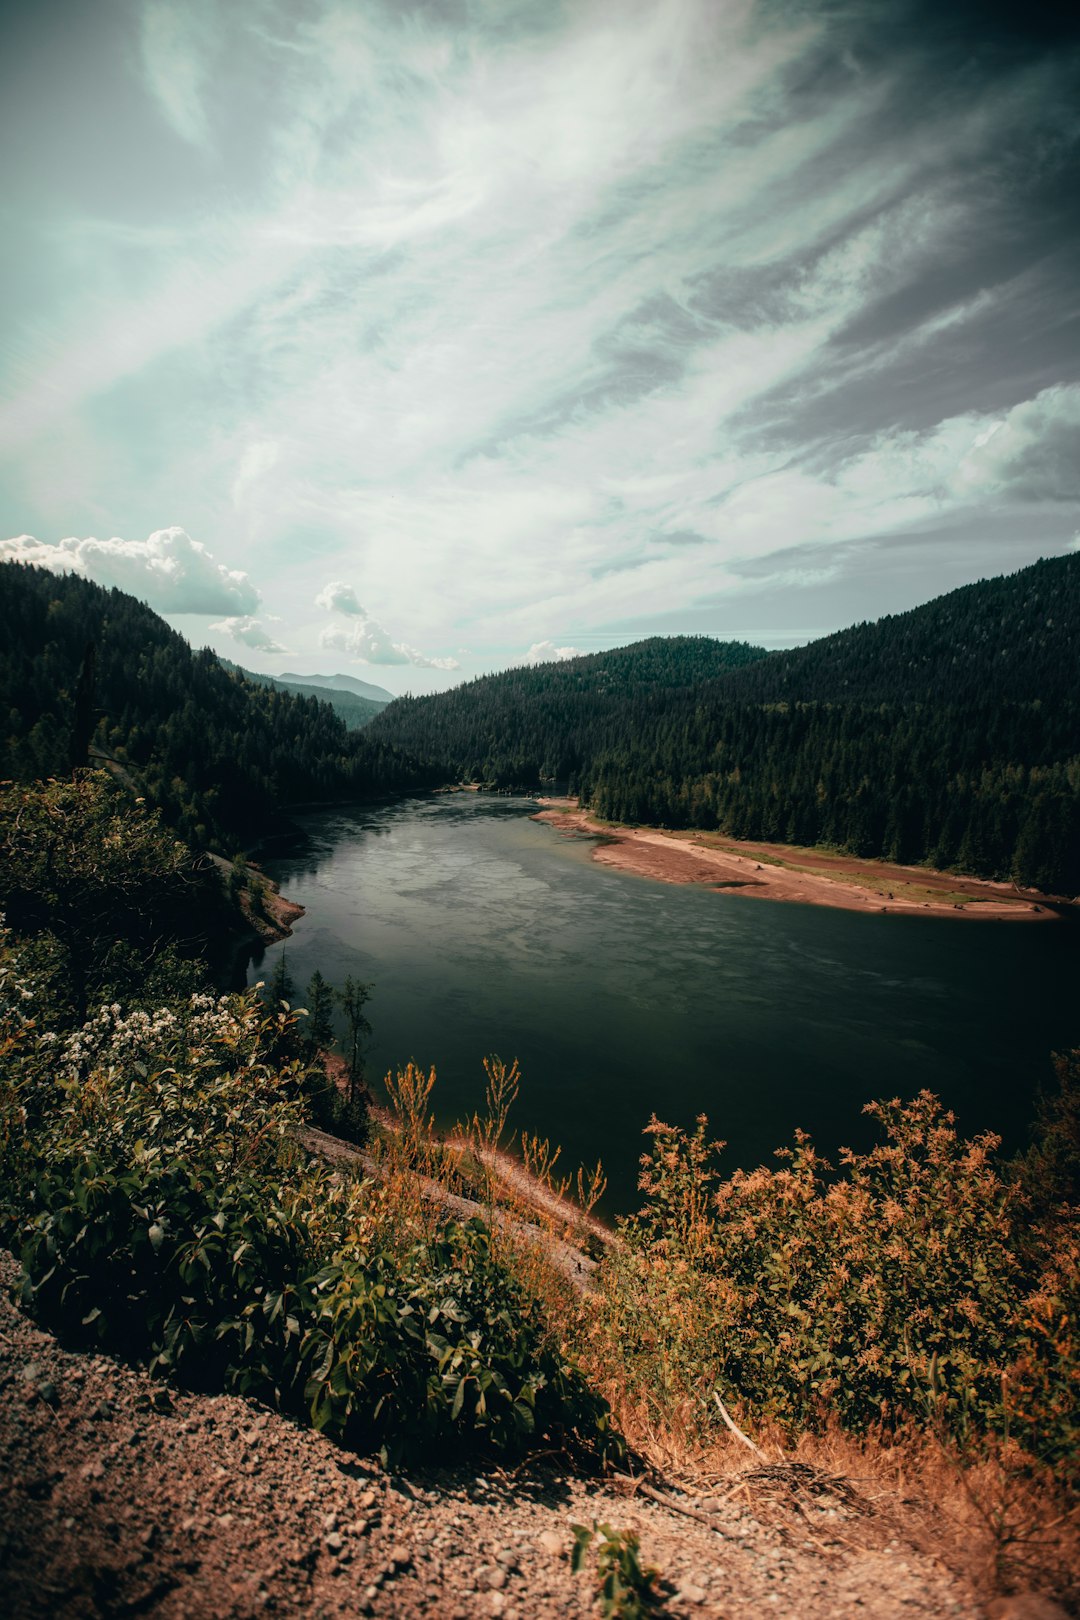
x,y
782,872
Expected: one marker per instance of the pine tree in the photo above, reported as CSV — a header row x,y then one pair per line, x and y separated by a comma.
x,y
281,984
320,1024
352,1000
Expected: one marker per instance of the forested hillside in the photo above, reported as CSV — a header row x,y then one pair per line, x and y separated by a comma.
x,y
218,754
949,734
553,720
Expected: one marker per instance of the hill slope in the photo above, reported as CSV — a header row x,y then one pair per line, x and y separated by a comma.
x,y
950,734
218,754
552,720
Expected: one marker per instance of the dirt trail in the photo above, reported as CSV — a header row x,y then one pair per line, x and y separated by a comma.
x,y
784,872
118,1498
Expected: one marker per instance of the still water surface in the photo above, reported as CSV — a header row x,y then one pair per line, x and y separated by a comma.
x,y
484,931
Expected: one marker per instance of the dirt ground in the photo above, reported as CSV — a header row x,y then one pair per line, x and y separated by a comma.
x,y
121,1498
783,872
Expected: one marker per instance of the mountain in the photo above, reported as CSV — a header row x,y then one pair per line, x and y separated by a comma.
x,y
350,706
949,734
550,721
82,666
341,683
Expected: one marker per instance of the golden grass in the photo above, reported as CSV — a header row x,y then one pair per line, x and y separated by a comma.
x,y
989,1511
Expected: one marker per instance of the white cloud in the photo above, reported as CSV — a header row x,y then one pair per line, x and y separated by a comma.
x,y
337,597
368,643
546,652
249,632
170,570
172,44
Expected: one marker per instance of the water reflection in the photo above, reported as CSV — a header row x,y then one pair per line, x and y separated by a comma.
x,y
483,931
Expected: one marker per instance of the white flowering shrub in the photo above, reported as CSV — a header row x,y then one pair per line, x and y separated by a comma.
x,y
195,1080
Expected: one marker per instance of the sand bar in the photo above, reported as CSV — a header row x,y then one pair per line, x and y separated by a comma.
x,y
762,871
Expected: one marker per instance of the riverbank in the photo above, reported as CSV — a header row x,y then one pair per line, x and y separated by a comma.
x,y
765,871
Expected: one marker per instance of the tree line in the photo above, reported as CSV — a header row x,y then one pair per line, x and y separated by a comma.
x,y
948,735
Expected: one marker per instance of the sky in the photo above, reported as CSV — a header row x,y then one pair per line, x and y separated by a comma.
x,y
418,340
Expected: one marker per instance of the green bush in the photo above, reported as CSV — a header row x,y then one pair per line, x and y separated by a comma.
x,y
164,1210
171,1270
441,1347
217,1284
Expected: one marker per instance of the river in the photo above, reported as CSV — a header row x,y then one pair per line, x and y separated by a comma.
x,y
484,931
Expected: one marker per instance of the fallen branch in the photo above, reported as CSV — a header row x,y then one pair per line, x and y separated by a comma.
x,y
736,1431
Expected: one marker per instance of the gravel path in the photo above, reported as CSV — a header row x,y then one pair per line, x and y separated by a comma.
x,y
118,1497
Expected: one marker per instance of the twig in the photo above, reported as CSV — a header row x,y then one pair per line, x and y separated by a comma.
x,y
678,1507
632,1486
736,1431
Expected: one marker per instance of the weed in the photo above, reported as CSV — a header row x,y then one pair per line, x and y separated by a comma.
x,y
627,1588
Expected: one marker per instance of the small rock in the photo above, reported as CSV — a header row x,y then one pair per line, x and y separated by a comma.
x,y
692,1594
550,1541
496,1579
496,1603
333,1542
400,1557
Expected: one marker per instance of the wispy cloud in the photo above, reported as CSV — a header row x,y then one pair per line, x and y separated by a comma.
x,y
173,42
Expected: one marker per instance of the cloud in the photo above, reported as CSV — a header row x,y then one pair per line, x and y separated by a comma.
x,y
546,652
170,571
368,643
250,633
585,312
338,598
172,41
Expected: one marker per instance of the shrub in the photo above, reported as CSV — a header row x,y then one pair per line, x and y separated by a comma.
x,y
440,1346
170,1215
904,1284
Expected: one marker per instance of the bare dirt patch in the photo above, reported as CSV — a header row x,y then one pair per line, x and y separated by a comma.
x,y
783,872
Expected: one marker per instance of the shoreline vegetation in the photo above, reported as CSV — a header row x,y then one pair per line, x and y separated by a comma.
x,y
766,871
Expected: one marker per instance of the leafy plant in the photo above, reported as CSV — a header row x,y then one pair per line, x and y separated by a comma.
x,y
627,1588
162,1208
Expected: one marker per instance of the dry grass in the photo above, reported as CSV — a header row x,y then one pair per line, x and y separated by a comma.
x,y
986,1509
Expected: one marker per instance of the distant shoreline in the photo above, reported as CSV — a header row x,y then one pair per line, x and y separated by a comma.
x,y
764,871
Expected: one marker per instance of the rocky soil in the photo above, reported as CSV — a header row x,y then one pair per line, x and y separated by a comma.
x,y
119,1497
